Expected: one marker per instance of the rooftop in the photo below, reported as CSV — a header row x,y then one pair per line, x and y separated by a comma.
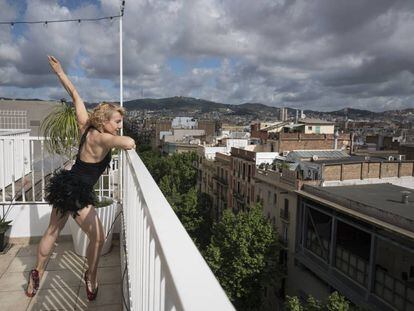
x,y
315,121
382,201
324,154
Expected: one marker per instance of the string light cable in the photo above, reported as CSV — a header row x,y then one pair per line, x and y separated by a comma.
x,y
70,20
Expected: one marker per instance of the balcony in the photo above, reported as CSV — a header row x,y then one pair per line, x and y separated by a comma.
x,y
153,266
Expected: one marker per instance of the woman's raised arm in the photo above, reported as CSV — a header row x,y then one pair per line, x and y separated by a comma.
x,y
81,113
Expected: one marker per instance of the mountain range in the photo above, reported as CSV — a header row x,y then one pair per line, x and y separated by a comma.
x,y
179,104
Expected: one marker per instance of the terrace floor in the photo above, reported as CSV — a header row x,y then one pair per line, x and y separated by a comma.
x,y
62,286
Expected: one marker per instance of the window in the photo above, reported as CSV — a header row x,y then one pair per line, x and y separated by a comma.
x,y
318,233
275,198
310,128
350,257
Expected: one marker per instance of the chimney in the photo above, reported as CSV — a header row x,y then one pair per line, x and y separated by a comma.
x,y
404,196
336,135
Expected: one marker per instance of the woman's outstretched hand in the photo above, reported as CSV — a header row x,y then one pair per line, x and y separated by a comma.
x,y
55,64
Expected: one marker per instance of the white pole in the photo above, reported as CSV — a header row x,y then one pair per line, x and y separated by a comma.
x,y
121,102
121,88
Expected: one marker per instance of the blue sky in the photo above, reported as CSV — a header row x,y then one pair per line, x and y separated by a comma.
x,y
319,54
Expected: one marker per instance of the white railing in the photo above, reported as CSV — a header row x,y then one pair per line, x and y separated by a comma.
x,y
25,166
165,270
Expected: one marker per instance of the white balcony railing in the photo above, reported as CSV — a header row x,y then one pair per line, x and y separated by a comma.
x,y
25,166
165,270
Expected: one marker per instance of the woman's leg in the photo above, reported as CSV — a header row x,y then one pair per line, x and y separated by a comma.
x,y
56,224
90,223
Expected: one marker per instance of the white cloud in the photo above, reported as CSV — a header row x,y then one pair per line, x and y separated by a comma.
x,y
314,54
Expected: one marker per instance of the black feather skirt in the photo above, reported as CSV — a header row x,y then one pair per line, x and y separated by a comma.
x,y
68,192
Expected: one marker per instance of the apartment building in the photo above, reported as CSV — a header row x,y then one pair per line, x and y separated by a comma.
x,y
359,240
348,195
331,222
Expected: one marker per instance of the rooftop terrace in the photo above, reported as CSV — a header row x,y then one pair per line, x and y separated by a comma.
x,y
62,286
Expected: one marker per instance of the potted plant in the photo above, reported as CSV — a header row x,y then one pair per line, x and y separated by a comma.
x,y
106,210
61,129
4,226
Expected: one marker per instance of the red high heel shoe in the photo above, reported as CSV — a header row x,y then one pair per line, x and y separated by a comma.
x,y
34,275
91,295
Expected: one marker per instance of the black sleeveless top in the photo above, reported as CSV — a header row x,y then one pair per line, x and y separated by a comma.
x,y
89,172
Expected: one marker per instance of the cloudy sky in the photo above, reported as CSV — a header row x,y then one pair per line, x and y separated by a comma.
x,y
319,54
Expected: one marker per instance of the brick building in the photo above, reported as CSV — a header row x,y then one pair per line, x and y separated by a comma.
x,y
284,142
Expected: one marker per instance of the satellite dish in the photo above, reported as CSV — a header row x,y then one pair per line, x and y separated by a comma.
x,y
314,157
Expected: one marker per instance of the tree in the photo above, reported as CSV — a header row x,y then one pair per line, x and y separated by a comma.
x,y
177,178
335,302
243,254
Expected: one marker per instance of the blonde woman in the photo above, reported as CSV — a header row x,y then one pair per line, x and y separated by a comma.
x,y
70,192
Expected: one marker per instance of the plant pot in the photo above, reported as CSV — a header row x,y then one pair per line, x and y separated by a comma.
x,y
107,216
3,241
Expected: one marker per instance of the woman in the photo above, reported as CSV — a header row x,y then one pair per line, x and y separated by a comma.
x,y
71,192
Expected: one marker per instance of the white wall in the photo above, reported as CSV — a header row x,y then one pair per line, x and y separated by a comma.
x,y
236,143
266,157
31,220
323,129
15,157
210,152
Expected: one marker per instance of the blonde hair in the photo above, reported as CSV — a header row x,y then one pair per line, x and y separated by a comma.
x,y
102,113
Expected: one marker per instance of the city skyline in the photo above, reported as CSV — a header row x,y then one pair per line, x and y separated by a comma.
x,y
320,56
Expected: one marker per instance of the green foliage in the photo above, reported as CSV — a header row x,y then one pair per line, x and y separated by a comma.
x,y
243,255
293,304
104,202
335,302
313,304
177,178
172,171
62,130
142,142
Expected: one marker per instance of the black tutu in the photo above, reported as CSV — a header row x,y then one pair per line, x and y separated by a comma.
x,y
67,192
